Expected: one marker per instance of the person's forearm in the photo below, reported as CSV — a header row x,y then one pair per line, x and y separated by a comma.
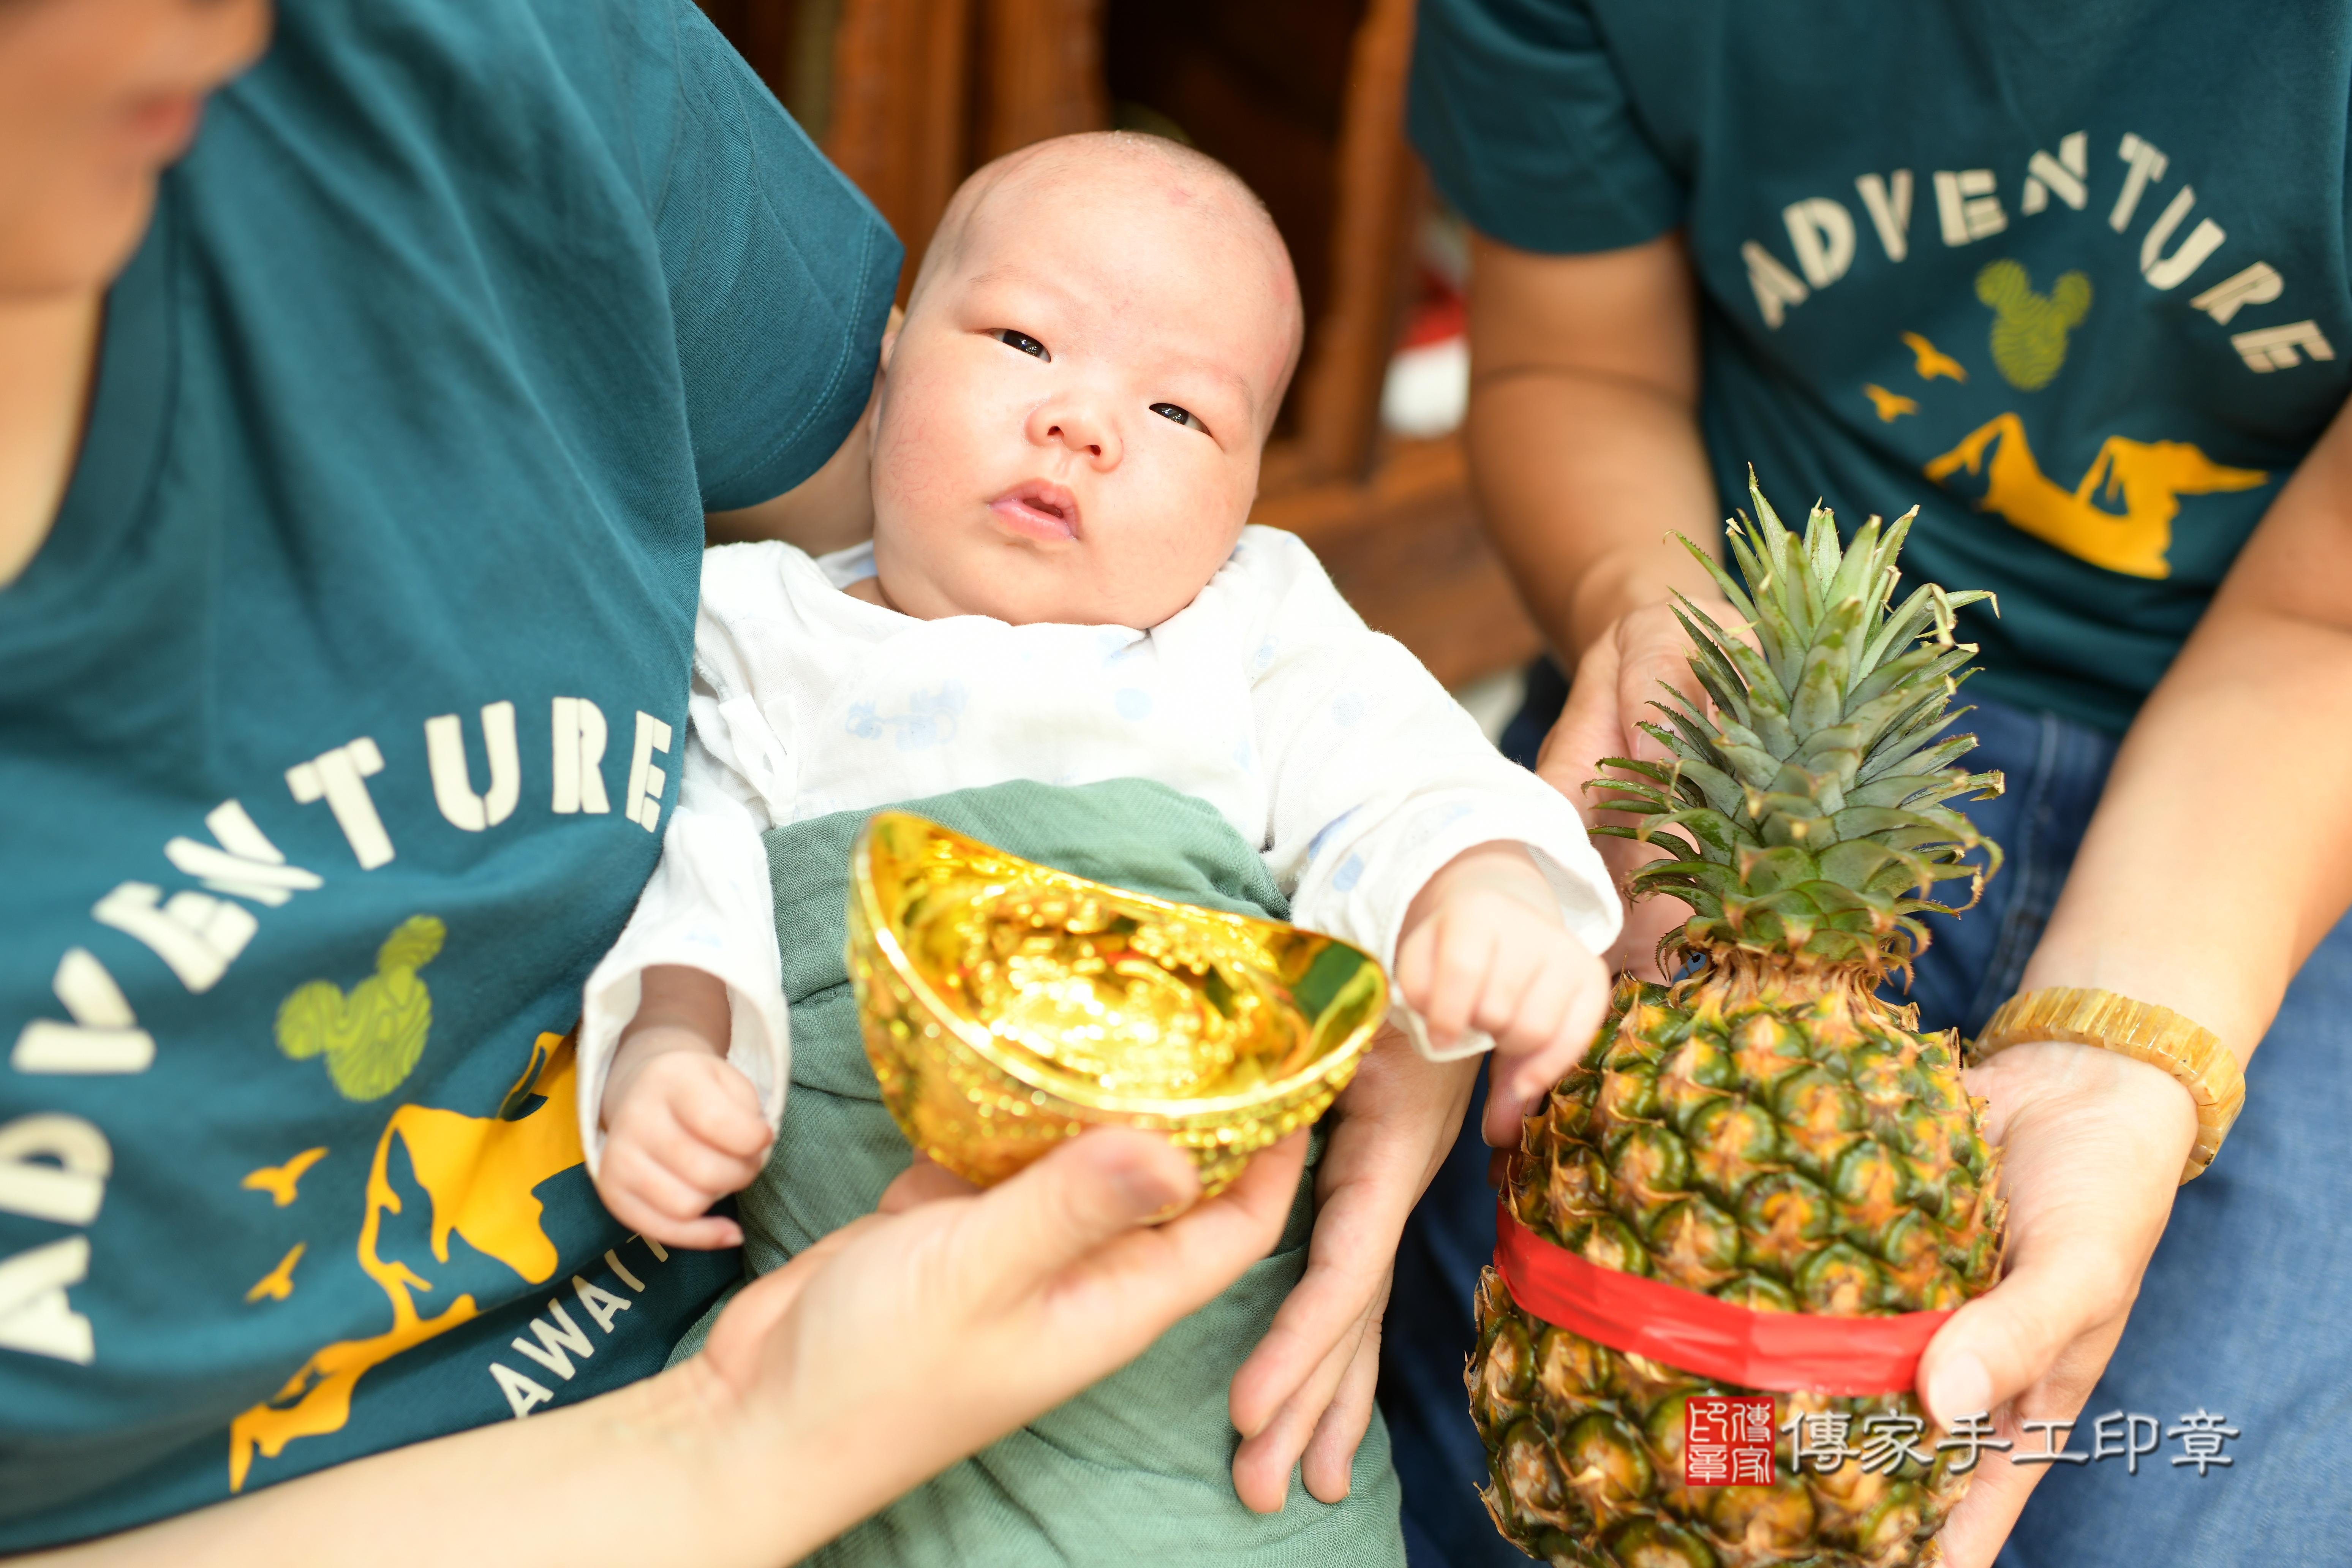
x,y
2220,853
1582,432
673,996
662,1472
1584,483
679,1009
2221,850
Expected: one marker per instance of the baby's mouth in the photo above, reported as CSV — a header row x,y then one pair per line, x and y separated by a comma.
x,y
1039,509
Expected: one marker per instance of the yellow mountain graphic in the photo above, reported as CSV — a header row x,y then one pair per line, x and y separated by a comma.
x,y
2149,476
478,1173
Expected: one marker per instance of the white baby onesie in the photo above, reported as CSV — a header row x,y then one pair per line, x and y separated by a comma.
x,y
1323,742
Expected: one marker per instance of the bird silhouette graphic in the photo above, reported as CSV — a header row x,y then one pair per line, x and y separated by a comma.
x,y
1931,362
278,1181
1891,406
278,1283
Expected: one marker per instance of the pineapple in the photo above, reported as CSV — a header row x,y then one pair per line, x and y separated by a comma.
x,y
1766,1130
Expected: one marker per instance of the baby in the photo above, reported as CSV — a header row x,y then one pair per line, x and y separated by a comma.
x,y
1061,589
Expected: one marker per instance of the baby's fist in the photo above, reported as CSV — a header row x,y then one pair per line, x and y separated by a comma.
x,y
1484,957
683,1128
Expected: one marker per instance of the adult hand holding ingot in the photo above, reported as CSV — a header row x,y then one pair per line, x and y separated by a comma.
x,y
1007,1006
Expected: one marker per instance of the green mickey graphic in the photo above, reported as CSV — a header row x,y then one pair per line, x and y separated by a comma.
x,y
2029,330
373,1037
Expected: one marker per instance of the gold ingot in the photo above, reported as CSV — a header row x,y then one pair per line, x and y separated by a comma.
x,y
1007,1006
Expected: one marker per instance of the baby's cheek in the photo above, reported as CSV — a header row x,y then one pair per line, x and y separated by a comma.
x,y
916,455
1183,522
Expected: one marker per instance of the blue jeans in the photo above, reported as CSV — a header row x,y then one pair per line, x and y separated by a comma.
x,y
2241,1315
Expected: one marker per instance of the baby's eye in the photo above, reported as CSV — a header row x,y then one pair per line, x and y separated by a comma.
x,y
1180,415
1022,340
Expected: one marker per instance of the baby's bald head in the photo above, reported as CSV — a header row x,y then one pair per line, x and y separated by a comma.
x,y
1073,411
1117,180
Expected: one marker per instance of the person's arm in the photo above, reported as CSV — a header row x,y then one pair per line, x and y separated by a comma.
x,y
1586,459
698,954
974,1312
1582,432
1378,784
2221,854
1304,1399
1376,779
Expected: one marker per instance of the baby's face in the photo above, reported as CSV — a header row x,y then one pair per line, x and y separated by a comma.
x,y
1073,410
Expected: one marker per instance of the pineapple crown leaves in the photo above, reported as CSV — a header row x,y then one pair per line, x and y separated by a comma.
x,y
1806,814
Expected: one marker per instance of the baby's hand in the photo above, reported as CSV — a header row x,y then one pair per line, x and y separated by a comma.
x,y
683,1128
1484,946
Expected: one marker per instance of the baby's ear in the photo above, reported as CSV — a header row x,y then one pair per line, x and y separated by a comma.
x,y
891,330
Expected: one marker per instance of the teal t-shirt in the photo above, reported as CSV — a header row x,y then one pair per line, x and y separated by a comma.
x,y
339,718
2070,276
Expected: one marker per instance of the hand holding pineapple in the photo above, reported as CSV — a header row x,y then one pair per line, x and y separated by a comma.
x,y
1619,674
2092,1144
1769,1132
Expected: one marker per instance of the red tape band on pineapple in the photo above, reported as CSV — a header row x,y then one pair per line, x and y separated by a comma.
x,y
1785,1352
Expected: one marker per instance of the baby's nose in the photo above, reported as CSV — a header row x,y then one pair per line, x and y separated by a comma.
x,y
1078,428
1071,434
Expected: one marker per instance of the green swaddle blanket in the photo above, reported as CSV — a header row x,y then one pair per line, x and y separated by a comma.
x,y
1136,1469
